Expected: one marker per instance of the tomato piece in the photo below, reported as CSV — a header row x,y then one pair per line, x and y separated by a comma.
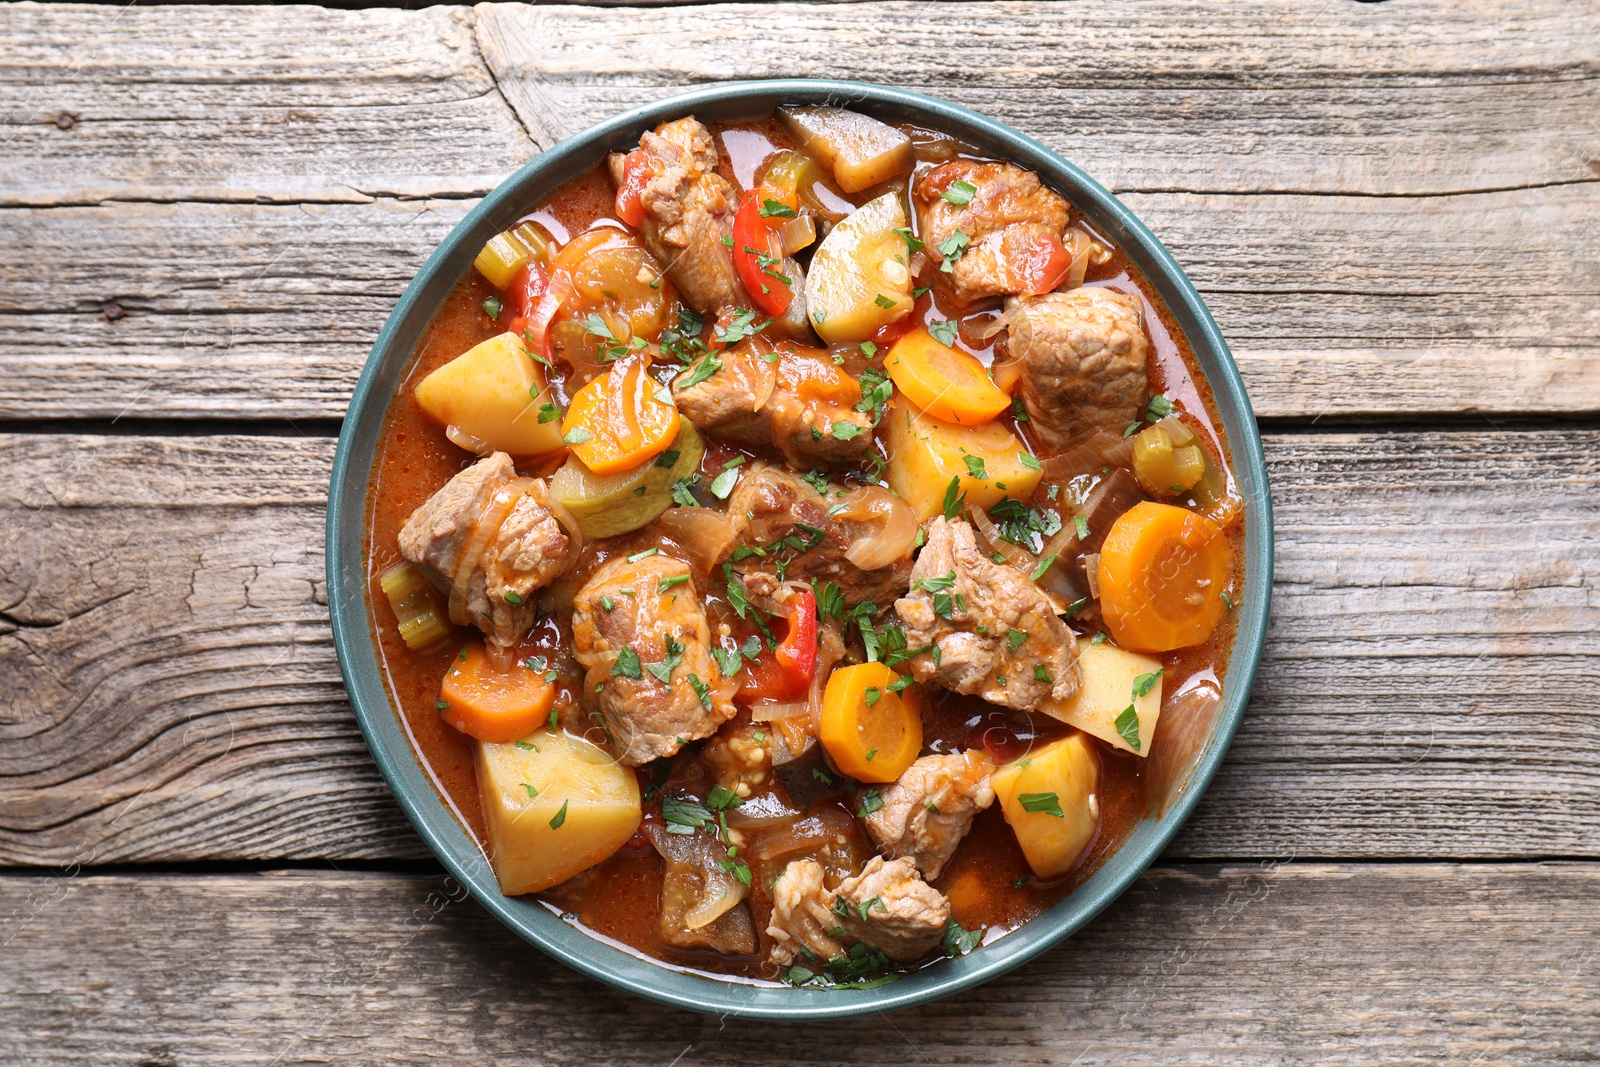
x,y
754,260
767,679
636,174
523,294
1040,268
797,652
622,418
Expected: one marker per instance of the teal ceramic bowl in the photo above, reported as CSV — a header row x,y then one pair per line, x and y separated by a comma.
x,y
352,627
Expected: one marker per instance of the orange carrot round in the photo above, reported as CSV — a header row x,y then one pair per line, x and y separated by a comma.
x,y
622,418
872,732
945,382
1163,570
493,703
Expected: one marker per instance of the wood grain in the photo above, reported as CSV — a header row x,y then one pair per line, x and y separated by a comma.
x,y
1429,687
247,104
1333,305
1240,965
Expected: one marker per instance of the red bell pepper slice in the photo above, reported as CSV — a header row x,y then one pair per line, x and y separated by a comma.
x,y
636,174
797,652
759,270
522,295
1040,268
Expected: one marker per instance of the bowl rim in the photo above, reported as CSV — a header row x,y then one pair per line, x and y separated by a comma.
x,y
389,741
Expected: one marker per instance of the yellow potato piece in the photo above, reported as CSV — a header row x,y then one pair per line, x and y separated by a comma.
x,y
861,151
1061,776
1107,692
859,280
493,391
556,805
925,453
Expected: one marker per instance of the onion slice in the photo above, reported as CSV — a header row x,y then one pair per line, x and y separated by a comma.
x,y
569,522
1078,245
702,533
882,528
769,710
1099,449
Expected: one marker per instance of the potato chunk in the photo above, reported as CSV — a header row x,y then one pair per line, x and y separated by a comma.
x,y
859,280
1046,799
925,453
1111,684
493,391
861,151
556,805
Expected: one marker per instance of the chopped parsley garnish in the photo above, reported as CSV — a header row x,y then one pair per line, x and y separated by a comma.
x,y
816,480
560,816
776,209
1160,407
577,436
667,459
958,941
1044,565
1080,523
952,248
1227,601
954,499
681,491
1017,411
642,554
441,705
742,325
944,331
1098,639
960,192
701,690
512,597
1076,606
1041,675
975,466
846,431
683,814
913,246
665,583
1048,803
871,801
532,792
491,308
876,389
700,372
549,413
937,585
1128,726
872,694
1027,459
663,670
1133,428
1024,526
627,664
1015,638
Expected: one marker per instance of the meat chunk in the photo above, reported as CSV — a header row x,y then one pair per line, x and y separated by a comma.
x,y
802,915
787,518
788,396
689,210
930,808
639,628
1082,356
892,909
992,632
495,570
1010,222
886,907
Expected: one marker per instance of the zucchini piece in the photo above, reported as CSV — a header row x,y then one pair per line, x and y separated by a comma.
x,y
610,504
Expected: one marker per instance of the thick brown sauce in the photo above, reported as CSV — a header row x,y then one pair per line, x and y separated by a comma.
x,y
988,882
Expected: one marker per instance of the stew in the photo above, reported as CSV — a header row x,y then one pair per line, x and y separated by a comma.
x,y
803,549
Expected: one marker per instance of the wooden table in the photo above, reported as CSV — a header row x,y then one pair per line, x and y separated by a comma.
x,y
1393,211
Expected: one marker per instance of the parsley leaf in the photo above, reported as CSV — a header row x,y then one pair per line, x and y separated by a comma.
x,y
1015,638
960,192
491,308
1146,682
944,331
700,372
846,431
1127,725
1028,460
958,941
549,413
577,436
560,816
1160,408
1048,803
871,801
952,248
776,209
627,664
975,466
954,499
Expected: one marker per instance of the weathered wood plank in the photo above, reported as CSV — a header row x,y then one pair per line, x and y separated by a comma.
x,y
1266,95
1238,965
1429,688
241,103
1334,305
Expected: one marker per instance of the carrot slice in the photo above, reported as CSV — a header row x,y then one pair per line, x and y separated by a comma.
x,y
1162,574
621,418
493,703
946,383
872,732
